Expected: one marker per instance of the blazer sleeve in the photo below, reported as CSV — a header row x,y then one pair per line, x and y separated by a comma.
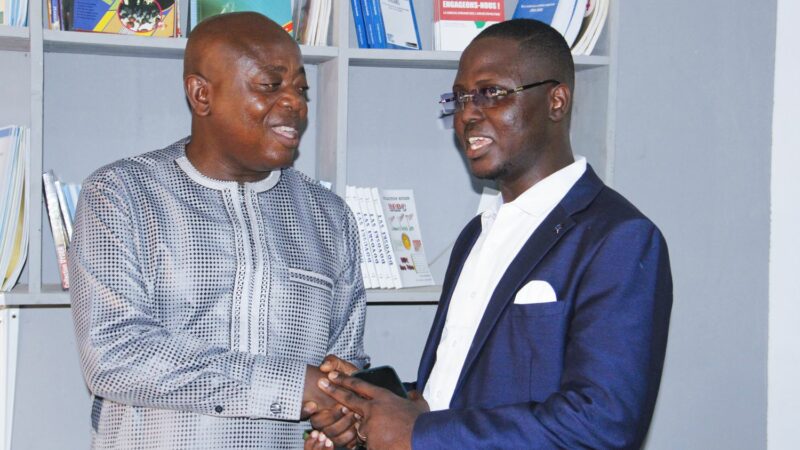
x,y
613,360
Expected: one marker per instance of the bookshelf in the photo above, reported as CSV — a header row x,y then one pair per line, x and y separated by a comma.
x,y
91,99
364,105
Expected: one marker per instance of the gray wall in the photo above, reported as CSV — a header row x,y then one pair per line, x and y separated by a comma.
x,y
693,152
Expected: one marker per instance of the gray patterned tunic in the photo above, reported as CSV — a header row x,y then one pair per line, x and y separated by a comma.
x,y
198,303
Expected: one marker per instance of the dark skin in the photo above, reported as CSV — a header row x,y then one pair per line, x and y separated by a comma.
x,y
246,85
527,133
517,143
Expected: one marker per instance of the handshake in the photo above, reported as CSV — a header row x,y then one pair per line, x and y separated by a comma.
x,y
345,410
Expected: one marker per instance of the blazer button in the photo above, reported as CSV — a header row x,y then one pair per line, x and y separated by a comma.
x,y
218,409
275,408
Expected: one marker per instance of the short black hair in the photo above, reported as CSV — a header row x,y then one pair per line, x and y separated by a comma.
x,y
538,41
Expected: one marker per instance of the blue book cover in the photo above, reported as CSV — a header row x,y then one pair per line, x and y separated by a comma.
x,y
400,24
541,10
369,24
377,17
358,21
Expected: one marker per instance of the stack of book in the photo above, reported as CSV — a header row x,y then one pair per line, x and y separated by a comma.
x,y
386,24
392,253
60,199
14,189
579,21
455,24
313,19
14,13
134,17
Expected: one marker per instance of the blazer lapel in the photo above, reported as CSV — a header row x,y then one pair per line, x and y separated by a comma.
x,y
461,250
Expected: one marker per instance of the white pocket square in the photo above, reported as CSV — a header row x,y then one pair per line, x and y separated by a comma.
x,y
536,291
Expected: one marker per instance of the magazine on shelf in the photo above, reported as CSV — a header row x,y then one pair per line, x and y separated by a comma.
x,y
60,238
14,189
393,280
14,13
455,24
133,17
279,11
566,16
400,24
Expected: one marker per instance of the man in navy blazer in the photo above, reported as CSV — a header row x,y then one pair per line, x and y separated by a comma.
x,y
552,325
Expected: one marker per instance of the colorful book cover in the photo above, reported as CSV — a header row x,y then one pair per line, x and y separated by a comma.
x,y
566,16
279,11
134,17
457,23
400,212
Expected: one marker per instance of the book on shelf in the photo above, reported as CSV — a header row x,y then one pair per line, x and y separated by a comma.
x,y
58,219
358,23
14,192
580,21
14,13
132,17
314,30
456,23
592,27
399,23
280,11
391,245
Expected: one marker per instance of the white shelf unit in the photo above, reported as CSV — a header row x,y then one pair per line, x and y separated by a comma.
x,y
373,121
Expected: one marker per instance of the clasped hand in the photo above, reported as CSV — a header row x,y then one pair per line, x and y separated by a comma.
x,y
365,413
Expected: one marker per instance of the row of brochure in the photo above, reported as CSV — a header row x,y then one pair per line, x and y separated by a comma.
x,y
60,199
14,188
14,13
392,252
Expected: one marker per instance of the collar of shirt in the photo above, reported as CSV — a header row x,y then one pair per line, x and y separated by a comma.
x,y
540,198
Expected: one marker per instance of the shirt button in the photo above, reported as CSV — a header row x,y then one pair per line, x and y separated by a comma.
x,y
275,408
218,409
472,294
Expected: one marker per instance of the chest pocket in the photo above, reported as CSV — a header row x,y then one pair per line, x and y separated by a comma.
x,y
311,279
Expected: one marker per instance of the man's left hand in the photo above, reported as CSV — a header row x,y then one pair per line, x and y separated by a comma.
x,y
387,421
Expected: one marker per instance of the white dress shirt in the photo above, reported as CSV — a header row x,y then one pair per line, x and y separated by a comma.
x,y
504,230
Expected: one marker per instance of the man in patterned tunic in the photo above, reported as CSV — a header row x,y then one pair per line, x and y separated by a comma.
x,y
210,278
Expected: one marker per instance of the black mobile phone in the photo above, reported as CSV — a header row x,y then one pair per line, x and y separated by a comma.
x,y
385,377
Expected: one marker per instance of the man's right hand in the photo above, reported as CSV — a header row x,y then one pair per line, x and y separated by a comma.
x,y
335,421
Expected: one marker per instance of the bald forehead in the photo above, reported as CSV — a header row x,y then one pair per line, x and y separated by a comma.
x,y
221,39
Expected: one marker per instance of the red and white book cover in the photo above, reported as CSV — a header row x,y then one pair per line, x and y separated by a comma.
x,y
456,23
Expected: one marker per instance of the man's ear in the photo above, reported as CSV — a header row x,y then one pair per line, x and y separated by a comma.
x,y
198,92
560,102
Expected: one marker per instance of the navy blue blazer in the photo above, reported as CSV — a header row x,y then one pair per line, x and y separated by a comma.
x,y
581,372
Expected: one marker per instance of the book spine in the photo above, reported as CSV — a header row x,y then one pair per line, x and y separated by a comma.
x,y
367,264
386,240
380,28
374,239
416,27
369,24
62,203
358,21
56,226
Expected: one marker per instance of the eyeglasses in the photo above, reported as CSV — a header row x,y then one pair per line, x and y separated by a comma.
x,y
487,97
